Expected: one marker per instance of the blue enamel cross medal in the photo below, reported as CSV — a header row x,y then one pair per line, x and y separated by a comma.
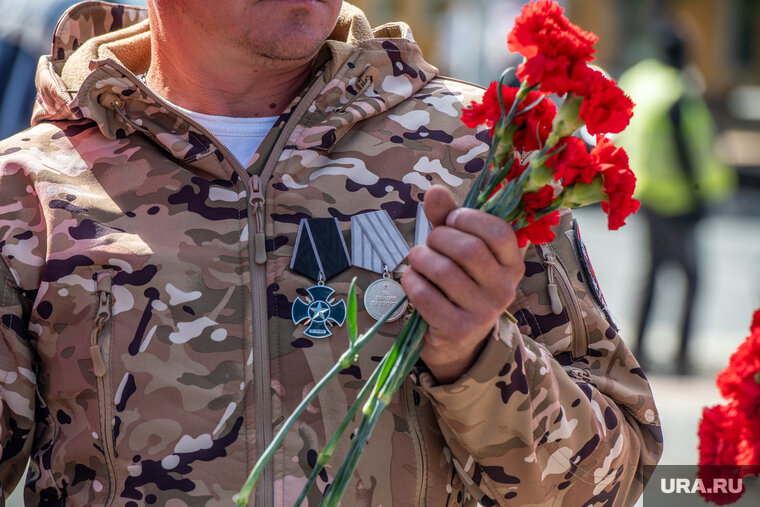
x,y
319,312
319,253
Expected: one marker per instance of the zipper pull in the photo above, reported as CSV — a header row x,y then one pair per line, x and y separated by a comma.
x,y
256,200
551,287
98,364
103,316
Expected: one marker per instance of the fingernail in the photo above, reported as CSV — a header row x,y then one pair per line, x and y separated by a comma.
x,y
452,217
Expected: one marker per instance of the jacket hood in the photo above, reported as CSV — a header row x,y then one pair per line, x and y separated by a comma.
x,y
101,50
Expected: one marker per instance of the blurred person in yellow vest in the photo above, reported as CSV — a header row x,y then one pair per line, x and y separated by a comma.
x,y
670,142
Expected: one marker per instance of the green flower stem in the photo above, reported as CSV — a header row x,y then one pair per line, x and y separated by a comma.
x,y
338,486
348,357
409,354
327,452
351,326
472,194
508,203
392,357
408,347
495,180
567,120
504,202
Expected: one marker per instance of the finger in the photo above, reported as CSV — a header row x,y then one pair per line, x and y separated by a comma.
x,y
439,202
496,233
472,254
434,307
450,279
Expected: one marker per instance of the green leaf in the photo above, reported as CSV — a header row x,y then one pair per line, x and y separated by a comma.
x,y
351,317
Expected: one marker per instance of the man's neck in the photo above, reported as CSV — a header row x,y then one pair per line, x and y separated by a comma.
x,y
226,84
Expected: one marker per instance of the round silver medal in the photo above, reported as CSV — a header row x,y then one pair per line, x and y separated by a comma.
x,y
380,297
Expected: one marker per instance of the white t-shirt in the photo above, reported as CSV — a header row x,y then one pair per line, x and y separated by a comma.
x,y
242,136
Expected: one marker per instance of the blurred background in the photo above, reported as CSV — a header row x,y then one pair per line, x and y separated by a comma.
x,y
710,255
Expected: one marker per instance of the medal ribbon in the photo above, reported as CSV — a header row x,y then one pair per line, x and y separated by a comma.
x,y
320,251
376,243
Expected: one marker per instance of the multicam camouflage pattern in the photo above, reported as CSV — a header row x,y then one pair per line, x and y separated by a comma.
x,y
126,234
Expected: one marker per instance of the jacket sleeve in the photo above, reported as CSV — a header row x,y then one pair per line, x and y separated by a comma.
x,y
531,422
20,217
17,385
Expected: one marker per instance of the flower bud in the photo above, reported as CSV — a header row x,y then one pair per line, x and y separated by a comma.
x,y
540,176
504,135
582,194
567,120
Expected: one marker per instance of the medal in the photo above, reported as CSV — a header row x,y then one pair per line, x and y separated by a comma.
x,y
319,312
378,246
319,253
381,295
422,226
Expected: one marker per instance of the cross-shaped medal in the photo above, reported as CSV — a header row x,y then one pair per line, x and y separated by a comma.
x,y
319,312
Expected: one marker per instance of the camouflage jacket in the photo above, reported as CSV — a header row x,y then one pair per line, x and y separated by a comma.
x,y
148,350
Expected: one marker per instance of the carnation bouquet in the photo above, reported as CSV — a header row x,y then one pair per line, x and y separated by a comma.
x,y
729,434
534,167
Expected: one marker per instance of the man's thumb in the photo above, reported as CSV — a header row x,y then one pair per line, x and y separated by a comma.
x,y
439,202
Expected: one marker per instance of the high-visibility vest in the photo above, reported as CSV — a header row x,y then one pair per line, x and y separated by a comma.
x,y
663,184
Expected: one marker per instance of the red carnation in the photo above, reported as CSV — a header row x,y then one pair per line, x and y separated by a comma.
x,y
537,120
729,448
572,162
605,108
755,321
729,435
517,169
719,430
485,113
539,231
740,380
719,435
536,201
488,112
554,48
619,182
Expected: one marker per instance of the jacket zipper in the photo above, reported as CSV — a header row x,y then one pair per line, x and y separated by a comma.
x,y
555,272
100,348
407,394
258,258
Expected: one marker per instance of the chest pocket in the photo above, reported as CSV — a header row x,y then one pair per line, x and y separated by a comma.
x,y
552,305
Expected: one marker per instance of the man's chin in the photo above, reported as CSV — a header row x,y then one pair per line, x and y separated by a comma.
x,y
296,37
284,54
293,49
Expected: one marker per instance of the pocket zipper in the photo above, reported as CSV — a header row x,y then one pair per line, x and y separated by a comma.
x,y
415,432
100,346
555,272
101,319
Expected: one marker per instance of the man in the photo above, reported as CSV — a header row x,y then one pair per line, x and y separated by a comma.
x,y
671,141
151,340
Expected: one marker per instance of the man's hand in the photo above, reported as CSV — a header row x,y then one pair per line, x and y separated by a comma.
x,y
460,281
